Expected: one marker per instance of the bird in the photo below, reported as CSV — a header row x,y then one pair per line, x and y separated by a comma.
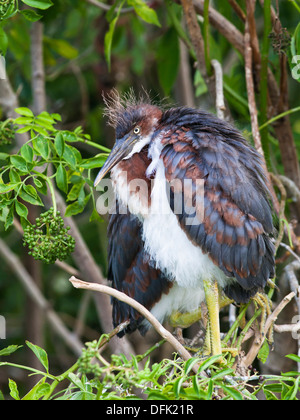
x,y
192,221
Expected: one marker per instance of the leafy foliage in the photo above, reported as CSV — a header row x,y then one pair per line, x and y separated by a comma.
x,y
94,378
25,177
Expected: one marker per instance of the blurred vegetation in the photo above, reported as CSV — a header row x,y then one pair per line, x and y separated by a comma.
x,y
87,51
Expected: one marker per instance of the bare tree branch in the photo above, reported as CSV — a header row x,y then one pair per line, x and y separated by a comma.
x,y
195,34
220,104
259,338
253,110
37,68
141,309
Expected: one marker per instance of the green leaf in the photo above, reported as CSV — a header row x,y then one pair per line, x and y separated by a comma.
x,y
269,395
19,163
189,364
41,185
207,363
38,391
70,156
10,217
4,156
264,351
40,354
293,357
3,41
10,12
23,120
25,112
74,209
144,11
168,57
23,130
41,145
27,153
95,216
63,48
14,393
39,4
36,201
59,144
31,15
232,392
75,191
30,190
108,40
9,350
21,209
62,179
5,188
96,162
76,381
292,391
14,177
69,136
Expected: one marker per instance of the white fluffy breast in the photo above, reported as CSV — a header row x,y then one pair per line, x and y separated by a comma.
x,y
165,240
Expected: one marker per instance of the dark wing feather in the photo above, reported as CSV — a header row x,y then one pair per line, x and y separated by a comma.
x,y
237,215
130,271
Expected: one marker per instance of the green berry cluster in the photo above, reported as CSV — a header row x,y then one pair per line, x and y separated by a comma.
x,y
86,361
48,240
4,5
7,133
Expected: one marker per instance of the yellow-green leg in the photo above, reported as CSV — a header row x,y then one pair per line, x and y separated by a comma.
x,y
213,346
213,337
214,302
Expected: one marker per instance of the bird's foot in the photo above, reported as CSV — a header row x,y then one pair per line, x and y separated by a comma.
x,y
220,359
185,319
263,302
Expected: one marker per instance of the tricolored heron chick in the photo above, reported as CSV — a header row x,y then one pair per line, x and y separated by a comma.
x,y
193,217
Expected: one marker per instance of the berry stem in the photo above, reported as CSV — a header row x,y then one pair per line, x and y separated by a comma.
x,y
52,192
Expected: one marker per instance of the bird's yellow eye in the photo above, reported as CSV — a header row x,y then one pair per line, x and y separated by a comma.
x,y
137,130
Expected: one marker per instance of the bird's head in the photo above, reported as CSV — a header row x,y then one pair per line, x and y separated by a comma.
x,y
134,122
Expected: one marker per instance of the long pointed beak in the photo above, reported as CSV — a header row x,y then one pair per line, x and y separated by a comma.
x,y
119,151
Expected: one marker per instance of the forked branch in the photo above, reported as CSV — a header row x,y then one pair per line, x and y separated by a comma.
x,y
79,284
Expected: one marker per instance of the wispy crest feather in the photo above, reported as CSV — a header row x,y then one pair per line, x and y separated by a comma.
x,y
116,105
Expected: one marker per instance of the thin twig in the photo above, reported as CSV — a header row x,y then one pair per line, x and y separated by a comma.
x,y
251,93
106,7
260,337
254,113
220,104
290,270
289,249
291,187
238,10
141,309
274,315
291,328
195,34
